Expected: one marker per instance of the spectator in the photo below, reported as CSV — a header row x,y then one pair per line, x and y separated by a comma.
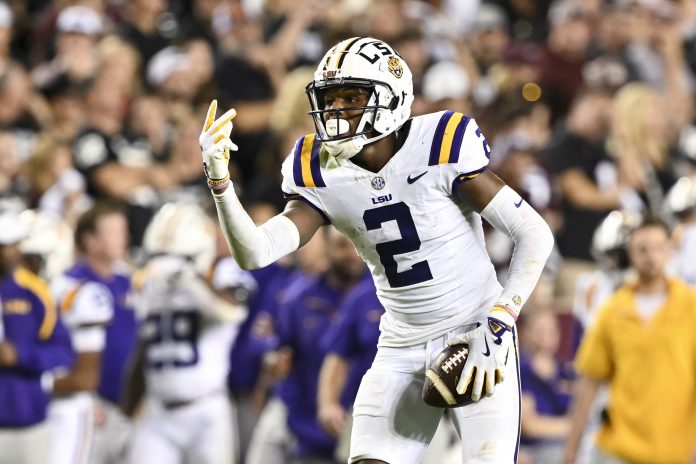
x,y
546,387
77,59
148,28
588,184
57,187
640,140
641,332
562,59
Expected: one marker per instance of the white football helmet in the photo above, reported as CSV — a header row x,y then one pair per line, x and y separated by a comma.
x,y
609,239
49,238
370,64
182,229
681,198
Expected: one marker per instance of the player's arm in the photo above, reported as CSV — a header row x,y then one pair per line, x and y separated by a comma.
x,y
585,395
252,246
84,375
332,381
506,211
134,386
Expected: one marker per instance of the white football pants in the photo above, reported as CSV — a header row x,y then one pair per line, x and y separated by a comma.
x,y
201,432
391,422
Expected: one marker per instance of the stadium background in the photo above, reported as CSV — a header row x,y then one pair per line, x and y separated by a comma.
x,y
587,105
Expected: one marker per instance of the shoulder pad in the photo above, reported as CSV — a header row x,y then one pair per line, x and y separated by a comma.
x,y
447,140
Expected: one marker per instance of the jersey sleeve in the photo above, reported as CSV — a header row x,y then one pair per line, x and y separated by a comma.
x,y
594,358
460,148
302,175
88,311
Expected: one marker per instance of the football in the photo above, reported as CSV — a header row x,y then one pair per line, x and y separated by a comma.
x,y
441,378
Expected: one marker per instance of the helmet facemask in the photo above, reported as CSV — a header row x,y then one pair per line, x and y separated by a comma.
x,y
334,131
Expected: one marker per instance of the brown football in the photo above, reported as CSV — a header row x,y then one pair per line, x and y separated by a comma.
x,y
441,378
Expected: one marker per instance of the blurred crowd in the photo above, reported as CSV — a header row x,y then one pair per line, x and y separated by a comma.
x,y
588,107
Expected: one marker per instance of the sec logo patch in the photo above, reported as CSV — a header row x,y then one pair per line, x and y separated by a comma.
x,y
378,183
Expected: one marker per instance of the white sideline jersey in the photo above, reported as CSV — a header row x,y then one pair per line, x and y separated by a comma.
x,y
186,354
424,247
86,308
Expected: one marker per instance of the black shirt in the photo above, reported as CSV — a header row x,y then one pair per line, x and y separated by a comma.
x,y
567,152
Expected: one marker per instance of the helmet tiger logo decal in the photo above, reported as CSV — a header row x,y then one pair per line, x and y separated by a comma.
x,y
394,66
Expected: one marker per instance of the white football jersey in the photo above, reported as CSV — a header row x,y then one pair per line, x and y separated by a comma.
x,y
86,308
424,247
186,354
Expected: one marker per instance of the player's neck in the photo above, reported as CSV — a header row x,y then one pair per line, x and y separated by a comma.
x,y
376,155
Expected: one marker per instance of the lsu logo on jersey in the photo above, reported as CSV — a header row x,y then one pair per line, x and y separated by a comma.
x,y
17,306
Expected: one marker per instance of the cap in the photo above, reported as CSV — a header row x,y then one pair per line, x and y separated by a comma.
x,y
11,229
565,10
80,20
444,80
490,16
165,63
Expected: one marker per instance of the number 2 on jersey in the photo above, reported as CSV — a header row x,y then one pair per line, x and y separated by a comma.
x,y
409,241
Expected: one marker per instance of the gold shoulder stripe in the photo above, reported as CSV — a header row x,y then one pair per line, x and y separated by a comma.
x,y
66,305
449,137
305,161
30,281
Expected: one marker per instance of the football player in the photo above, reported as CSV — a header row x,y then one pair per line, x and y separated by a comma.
x,y
410,194
87,307
186,333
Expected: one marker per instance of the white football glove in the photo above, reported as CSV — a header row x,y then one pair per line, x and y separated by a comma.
x,y
216,145
490,345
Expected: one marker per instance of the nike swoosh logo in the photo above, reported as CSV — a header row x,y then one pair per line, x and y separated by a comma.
x,y
411,180
488,350
517,205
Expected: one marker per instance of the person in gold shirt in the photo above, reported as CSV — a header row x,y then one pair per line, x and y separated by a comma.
x,y
643,345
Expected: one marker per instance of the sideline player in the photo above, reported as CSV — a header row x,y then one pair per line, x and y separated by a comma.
x,y
87,307
409,193
34,347
186,332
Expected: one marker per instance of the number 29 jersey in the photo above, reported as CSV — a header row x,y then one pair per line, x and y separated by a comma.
x,y
424,247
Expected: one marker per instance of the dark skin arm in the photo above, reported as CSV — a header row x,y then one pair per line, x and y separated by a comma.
x,y
84,376
134,388
480,190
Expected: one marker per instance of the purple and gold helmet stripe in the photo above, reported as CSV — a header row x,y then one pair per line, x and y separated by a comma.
x,y
345,51
448,137
306,169
339,54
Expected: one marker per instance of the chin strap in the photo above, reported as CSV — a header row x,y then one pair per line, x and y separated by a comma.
x,y
345,149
